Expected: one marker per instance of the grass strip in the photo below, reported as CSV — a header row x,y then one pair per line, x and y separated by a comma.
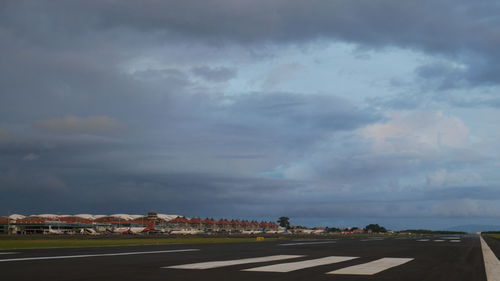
x,y
496,236
6,244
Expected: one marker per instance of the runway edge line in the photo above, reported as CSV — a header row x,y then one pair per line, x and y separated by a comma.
x,y
491,263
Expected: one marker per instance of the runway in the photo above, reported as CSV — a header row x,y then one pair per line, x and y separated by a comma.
x,y
429,258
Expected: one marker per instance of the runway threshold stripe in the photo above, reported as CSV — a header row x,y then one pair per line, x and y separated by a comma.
x,y
97,255
215,264
8,253
373,267
291,266
307,243
491,262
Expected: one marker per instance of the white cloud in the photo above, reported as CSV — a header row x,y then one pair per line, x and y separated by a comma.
x,y
417,132
31,157
77,125
466,208
411,149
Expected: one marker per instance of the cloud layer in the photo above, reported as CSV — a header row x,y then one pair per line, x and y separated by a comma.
x,y
76,125
185,107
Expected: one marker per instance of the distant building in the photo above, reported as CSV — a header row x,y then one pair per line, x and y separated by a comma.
x,y
125,223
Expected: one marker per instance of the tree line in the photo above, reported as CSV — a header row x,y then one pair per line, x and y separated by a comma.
x,y
374,228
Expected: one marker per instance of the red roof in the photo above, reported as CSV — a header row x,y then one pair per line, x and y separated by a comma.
x,y
141,222
195,220
179,220
31,220
105,219
208,221
222,221
149,228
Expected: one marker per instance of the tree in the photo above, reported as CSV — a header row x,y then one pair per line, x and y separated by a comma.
x,y
375,228
332,229
284,222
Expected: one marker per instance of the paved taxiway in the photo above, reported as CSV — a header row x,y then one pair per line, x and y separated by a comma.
x,y
429,258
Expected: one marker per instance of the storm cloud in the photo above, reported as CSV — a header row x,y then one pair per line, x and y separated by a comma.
x,y
254,109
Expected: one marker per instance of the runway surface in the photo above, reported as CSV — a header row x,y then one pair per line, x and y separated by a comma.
x,y
430,258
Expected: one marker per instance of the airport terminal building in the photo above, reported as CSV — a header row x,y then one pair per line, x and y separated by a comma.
x,y
128,224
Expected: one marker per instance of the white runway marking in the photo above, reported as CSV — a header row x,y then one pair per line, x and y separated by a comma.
x,y
439,240
307,243
423,240
455,241
491,263
365,240
97,255
291,266
215,264
8,253
373,267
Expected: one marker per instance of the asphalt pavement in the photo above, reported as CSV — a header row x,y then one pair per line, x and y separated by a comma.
x,y
433,258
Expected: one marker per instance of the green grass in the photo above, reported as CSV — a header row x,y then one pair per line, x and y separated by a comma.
x,y
60,242
27,243
496,236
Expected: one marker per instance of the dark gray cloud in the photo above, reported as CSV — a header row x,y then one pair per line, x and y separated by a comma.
x,y
98,176
183,158
463,31
103,110
216,74
75,125
442,76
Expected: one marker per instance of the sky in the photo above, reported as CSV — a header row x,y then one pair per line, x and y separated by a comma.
x,y
330,112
